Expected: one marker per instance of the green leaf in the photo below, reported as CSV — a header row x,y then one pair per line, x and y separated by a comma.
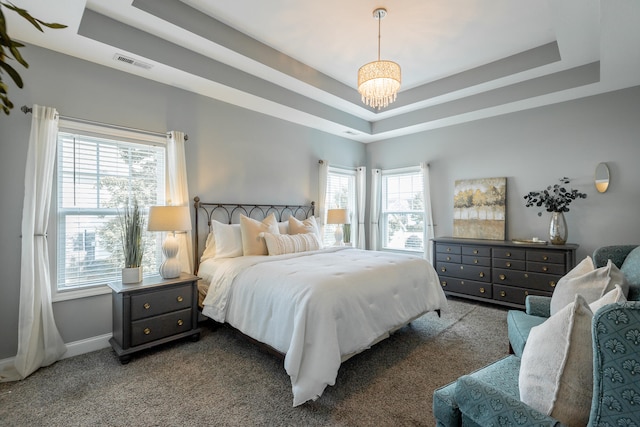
x,y
13,74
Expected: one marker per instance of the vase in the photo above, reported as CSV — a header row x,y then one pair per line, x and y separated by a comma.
x,y
132,275
558,229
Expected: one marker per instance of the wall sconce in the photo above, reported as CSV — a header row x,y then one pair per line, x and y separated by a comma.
x,y
338,216
172,219
602,177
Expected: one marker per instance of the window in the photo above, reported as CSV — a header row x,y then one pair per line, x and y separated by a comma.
x,y
402,213
341,190
98,174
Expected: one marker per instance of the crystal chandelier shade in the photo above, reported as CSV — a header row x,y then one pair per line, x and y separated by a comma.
x,y
379,81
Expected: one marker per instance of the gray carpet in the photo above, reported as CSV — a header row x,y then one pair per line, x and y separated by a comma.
x,y
224,380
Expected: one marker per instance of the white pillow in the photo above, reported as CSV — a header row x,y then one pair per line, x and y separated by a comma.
x,y
283,227
556,369
611,297
227,239
252,243
586,280
209,248
309,225
278,244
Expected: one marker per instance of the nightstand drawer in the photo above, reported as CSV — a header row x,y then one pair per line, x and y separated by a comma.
x,y
154,328
161,301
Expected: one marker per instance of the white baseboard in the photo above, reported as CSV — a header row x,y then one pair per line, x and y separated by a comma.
x,y
75,348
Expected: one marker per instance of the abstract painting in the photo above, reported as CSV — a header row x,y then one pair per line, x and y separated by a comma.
x,y
479,208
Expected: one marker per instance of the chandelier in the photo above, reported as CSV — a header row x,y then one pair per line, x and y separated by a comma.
x,y
379,81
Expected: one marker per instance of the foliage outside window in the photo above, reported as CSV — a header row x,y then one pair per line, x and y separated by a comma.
x,y
98,176
341,194
402,213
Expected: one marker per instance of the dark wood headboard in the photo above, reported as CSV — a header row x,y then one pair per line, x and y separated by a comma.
x,y
229,213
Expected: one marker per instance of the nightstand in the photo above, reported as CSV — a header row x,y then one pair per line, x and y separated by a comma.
x,y
153,312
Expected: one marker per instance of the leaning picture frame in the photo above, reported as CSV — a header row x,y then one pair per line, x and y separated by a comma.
x,y
479,208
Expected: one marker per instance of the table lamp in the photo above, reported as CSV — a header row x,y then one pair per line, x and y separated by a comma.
x,y
338,216
171,219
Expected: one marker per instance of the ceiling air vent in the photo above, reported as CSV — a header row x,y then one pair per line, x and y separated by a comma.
x,y
127,60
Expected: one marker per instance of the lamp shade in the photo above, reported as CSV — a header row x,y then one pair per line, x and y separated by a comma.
x,y
337,216
169,218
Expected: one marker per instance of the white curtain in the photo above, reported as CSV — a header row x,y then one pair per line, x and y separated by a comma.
x,y
361,196
39,342
376,188
323,177
428,213
178,192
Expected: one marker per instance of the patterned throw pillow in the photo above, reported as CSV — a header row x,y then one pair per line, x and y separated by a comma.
x,y
278,244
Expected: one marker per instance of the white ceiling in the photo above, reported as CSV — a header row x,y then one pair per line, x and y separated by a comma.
x,y
298,60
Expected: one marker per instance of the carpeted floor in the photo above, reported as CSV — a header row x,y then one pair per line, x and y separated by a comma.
x,y
224,380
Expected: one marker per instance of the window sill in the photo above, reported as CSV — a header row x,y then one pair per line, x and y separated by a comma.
x,y
80,293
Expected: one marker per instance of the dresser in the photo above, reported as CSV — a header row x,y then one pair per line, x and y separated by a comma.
x,y
153,312
500,272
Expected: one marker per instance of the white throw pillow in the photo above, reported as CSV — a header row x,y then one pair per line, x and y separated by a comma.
x,y
556,370
227,239
252,243
309,225
611,297
586,280
209,248
278,244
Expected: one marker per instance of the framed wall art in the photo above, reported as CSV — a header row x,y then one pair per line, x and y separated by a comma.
x,y
479,208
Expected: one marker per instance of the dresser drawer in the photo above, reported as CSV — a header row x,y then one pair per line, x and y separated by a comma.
x,y
467,287
162,301
449,249
476,260
514,294
546,256
510,253
541,282
463,271
447,257
476,251
543,267
510,264
154,328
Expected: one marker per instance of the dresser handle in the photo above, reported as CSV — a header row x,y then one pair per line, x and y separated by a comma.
x,y
475,251
552,284
545,258
508,264
526,276
462,282
448,258
179,299
180,322
147,331
475,261
502,277
443,269
462,267
444,283
482,291
481,274
503,294
448,249
147,306
544,268
508,254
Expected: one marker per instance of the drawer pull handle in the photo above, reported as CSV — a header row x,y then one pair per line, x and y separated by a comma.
x,y
462,282
147,331
475,251
147,306
502,277
444,284
545,258
180,322
482,291
508,254
526,276
481,274
503,294
462,267
475,261
544,268
448,249
443,269
179,299
508,264
448,258
552,284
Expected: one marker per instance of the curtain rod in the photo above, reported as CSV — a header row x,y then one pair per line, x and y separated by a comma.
x,y
27,110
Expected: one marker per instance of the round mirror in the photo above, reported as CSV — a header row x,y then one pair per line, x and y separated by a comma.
x,y
602,177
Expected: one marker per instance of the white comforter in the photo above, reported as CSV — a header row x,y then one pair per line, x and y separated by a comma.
x,y
320,307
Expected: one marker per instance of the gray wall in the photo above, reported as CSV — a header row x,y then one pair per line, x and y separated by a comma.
x,y
534,149
234,155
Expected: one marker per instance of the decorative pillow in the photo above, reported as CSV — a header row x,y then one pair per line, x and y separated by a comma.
x,y
309,225
278,244
586,280
556,370
209,248
631,266
613,296
283,227
227,240
252,243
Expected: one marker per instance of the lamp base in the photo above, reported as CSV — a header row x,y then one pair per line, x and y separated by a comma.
x,y
170,267
339,236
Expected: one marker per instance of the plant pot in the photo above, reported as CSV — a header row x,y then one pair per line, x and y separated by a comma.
x,y
132,275
558,229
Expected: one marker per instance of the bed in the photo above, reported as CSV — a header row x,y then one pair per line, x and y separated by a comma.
x,y
264,272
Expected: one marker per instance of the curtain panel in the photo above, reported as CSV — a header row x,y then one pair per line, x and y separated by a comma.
x,y
361,197
428,213
374,214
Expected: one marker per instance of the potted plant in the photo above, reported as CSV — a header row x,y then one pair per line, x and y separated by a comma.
x,y
555,199
132,229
